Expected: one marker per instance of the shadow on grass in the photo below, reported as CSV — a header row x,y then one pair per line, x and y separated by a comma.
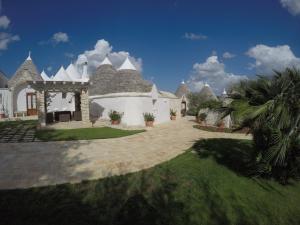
x,y
236,155
117,200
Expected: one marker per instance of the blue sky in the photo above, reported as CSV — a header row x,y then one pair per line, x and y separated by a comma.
x,y
175,39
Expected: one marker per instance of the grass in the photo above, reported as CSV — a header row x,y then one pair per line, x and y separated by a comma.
x,y
83,134
207,185
67,134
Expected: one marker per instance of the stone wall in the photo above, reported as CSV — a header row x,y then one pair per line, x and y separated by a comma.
x,y
41,108
213,117
85,112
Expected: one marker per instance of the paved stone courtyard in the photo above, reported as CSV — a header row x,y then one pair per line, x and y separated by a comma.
x,y
37,164
20,133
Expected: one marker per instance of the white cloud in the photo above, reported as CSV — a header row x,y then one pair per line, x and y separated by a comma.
x,y
56,38
269,58
194,37
228,55
49,68
101,49
60,37
69,55
4,22
293,6
212,71
6,39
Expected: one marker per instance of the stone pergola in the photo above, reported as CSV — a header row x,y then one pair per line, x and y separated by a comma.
x,y
42,87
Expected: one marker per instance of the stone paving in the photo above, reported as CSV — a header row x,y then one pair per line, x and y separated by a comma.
x,y
38,164
19,133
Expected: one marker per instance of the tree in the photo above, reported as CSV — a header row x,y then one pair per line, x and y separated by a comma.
x,y
273,116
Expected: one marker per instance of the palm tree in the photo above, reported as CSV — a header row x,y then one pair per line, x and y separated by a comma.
x,y
273,116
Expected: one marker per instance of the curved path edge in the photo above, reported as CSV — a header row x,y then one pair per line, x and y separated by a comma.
x,y
24,165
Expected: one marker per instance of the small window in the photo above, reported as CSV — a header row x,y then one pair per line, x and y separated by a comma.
x,y
64,95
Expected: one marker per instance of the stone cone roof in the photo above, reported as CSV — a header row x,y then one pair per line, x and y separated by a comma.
x,y
3,80
207,94
26,72
101,81
182,90
107,80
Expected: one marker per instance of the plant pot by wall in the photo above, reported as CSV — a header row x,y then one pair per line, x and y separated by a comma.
x,y
202,123
115,122
173,117
149,123
221,125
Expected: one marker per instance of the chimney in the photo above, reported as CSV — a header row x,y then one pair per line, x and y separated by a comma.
x,y
85,75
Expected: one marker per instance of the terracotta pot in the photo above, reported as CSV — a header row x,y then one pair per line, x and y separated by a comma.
x,y
2,115
115,122
221,125
173,117
149,123
203,123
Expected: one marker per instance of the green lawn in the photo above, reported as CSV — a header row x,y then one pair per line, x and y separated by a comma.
x,y
83,134
207,185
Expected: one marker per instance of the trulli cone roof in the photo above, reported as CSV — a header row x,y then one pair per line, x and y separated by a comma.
x,y
62,75
106,61
127,65
107,80
45,76
26,72
182,90
207,94
73,72
3,80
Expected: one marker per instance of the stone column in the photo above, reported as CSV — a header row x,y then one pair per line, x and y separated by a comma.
x,y
41,107
84,105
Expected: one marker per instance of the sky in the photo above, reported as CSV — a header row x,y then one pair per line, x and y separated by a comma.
x,y
199,41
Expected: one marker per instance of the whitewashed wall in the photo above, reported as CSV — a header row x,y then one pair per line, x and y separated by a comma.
x,y
6,104
162,110
133,108
55,102
21,99
175,104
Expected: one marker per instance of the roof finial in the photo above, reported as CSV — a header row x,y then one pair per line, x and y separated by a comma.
x,y
29,56
224,92
182,82
206,84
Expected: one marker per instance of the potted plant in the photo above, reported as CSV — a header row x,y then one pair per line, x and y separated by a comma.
x,y
115,117
2,113
173,114
149,119
202,118
221,125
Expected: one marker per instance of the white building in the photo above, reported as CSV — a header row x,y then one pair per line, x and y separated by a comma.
x,y
111,89
124,90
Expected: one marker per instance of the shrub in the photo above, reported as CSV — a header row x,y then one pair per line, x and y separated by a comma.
x,y
202,116
273,117
115,116
173,112
149,117
212,104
